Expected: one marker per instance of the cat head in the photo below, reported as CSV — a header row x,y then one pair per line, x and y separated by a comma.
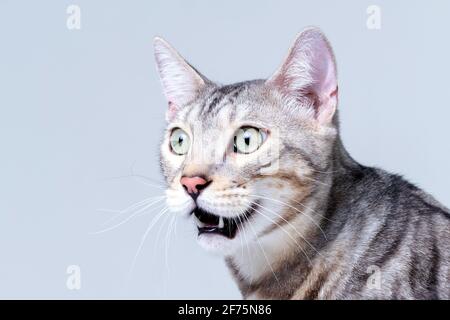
x,y
239,159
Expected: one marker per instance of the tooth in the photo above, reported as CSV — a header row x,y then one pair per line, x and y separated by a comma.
x,y
221,223
198,222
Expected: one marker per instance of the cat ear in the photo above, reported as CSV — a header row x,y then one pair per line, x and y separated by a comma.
x,y
308,75
180,81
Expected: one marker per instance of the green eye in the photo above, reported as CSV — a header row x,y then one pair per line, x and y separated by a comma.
x,y
248,140
179,141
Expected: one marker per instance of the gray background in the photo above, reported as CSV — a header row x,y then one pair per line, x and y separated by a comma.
x,y
78,108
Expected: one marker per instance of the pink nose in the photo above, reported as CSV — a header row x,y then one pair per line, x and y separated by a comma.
x,y
193,184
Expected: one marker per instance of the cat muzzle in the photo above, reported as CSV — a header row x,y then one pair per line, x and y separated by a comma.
x,y
209,223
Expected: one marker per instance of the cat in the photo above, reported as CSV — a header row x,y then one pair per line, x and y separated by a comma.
x,y
260,170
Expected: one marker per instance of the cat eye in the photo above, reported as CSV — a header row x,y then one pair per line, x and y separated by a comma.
x,y
179,141
248,140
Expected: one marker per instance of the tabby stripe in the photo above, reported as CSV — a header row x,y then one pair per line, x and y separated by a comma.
x,y
312,293
215,101
434,271
230,91
305,157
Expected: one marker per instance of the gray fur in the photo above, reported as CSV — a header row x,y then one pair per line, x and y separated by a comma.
x,y
368,217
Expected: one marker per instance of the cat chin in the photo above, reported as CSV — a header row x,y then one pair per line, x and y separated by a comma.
x,y
217,244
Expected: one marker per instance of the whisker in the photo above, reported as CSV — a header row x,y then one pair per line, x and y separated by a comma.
x,y
247,247
127,208
144,177
292,226
288,205
158,235
128,218
140,177
263,251
157,206
315,180
176,223
288,234
144,237
308,208
119,213
167,242
241,230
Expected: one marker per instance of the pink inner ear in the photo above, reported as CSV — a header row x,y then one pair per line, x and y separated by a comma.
x,y
313,50
325,84
309,72
323,70
327,108
171,111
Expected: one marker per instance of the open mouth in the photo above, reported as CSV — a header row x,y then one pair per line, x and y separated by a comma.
x,y
209,223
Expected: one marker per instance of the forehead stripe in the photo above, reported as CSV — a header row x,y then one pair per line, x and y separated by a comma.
x,y
230,91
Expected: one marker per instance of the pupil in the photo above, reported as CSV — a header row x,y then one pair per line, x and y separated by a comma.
x,y
247,140
180,140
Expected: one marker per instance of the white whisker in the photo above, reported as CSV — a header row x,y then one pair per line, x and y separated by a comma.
x,y
263,251
128,218
288,205
315,180
240,230
158,235
286,232
292,226
167,242
119,213
144,237
308,208
246,244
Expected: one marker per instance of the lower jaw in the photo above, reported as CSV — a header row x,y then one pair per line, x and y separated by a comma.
x,y
217,244
228,232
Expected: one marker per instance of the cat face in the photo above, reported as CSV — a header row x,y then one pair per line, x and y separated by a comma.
x,y
238,158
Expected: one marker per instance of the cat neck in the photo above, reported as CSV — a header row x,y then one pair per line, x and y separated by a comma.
x,y
269,262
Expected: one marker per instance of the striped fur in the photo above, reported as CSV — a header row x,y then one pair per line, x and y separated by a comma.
x,y
325,226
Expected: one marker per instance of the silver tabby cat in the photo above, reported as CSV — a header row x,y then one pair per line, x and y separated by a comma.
x,y
260,171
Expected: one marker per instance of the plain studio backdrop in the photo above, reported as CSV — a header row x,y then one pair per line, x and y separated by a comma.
x,y
82,111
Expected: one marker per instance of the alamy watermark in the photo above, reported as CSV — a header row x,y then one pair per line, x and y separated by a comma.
x,y
73,281
73,21
373,21
374,280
